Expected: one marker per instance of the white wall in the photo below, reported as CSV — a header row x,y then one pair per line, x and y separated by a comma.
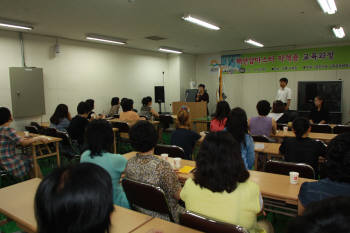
x,y
87,70
245,90
187,73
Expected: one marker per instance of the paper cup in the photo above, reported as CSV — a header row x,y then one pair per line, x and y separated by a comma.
x,y
293,177
26,134
177,163
172,163
164,157
285,129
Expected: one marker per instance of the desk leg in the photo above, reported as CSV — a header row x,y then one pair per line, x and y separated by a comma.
x,y
58,154
35,161
256,161
115,143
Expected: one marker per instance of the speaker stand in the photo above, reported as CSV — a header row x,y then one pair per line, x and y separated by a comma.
x,y
160,107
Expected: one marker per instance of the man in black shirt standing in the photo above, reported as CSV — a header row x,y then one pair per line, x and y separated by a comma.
x,y
202,95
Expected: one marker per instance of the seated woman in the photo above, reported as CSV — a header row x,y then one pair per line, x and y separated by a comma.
x,y
115,105
128,114
262,124
17,164
278,112
337,182
146,110
237,125
221,189
319,114
99,139
219,121
302,149
183,136
76,199
147,168
61,118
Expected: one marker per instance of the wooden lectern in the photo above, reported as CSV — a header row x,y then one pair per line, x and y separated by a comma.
x,y
197,110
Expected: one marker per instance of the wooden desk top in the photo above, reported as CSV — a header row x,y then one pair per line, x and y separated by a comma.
x,y
51,139
159,225
271,185
320,136
268,148
117,120
17,203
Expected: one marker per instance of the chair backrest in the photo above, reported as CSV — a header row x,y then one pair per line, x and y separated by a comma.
x,y
202,223
32,129
123,127
165,121
341,129
171,150
321,128
49,132
116,115
283,168
146,196
262,138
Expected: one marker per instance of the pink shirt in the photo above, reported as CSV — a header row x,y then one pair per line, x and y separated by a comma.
x,y
216,125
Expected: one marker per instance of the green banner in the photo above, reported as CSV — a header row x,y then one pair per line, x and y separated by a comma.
x,y
329,58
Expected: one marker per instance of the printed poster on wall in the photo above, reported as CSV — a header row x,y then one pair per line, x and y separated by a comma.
x,y
329,58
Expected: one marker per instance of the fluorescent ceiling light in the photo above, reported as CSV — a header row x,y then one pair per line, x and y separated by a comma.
x,y
101,39
167,50
339,32
252,42
199,22
10,25
328,6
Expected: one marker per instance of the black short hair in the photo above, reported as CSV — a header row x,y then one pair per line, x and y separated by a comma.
x,y
219,163
201,85
76,199
330,215
99,137
338,158
5,115
91,104
263,107
237,124
143,136
146,100
115,101
83,108
300,126
127,104
222,110
284,80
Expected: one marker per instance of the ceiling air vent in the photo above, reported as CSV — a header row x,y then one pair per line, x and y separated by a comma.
x,y
155,38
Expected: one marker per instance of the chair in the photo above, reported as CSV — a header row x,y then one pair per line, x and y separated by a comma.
x,y
146,196
262,138
202,223
32,129
339,129
171,150
122,127
315,128
165,121
66,146
283,168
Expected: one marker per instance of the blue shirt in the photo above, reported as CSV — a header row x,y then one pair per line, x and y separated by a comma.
x,y
115,165
62,126
247,151
322,189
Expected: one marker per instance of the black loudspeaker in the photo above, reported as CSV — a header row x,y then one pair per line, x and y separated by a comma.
x,y
159,94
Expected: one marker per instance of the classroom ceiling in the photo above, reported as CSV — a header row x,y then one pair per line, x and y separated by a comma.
x,y
275,23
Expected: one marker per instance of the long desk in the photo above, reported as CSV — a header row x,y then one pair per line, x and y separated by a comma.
x,y
39,153
157,225
326,137
17,203
272,186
